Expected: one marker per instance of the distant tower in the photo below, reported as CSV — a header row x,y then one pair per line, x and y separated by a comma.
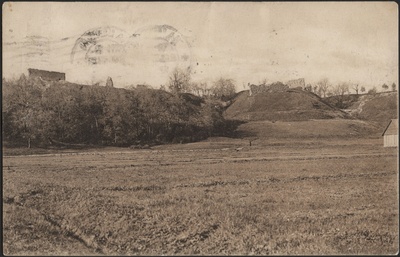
x,y
109,82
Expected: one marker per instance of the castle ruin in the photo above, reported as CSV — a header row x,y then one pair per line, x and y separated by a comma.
x,y
46,75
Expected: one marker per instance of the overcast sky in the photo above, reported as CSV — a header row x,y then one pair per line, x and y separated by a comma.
x,y
248,41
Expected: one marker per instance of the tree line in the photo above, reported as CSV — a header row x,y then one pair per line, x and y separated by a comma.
x,y
324,88
180,82
40,113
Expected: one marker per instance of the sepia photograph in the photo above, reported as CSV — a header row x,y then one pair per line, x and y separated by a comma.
x,y
200,128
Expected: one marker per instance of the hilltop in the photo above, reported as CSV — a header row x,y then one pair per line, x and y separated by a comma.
x,y
288,105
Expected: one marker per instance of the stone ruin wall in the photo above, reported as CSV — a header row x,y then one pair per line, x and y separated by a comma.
x,y
269,88
46,75
277,86
295,83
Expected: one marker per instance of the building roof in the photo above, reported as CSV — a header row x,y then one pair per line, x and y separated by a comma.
x,y
46,75
391,128
45,71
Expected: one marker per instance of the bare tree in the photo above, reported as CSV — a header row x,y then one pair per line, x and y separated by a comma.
x,y
340,90
223,88
179,81
385,87
324,86
315,89
373,91
355,87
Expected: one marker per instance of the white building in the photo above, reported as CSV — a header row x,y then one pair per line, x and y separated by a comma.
x,y
391,134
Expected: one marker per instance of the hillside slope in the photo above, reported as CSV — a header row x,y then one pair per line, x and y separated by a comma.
x,y
290,105
310,129
378,108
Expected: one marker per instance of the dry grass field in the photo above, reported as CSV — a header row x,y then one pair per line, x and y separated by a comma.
x,y
217,197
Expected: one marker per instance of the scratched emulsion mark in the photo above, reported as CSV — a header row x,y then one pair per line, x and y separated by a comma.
x,y
31,50
165,46
160,45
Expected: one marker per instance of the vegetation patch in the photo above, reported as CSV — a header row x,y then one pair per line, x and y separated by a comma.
x,y
206,206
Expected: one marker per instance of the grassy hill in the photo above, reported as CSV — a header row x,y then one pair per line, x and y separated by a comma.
x,y
290,105
303,134
297,114
378,108
310,129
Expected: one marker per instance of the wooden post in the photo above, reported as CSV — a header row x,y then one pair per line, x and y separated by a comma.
x,y
252,139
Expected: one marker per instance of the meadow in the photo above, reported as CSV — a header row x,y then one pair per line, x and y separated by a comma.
x,y
216,197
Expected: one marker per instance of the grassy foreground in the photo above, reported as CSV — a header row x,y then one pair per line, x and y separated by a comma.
x,y
334,197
